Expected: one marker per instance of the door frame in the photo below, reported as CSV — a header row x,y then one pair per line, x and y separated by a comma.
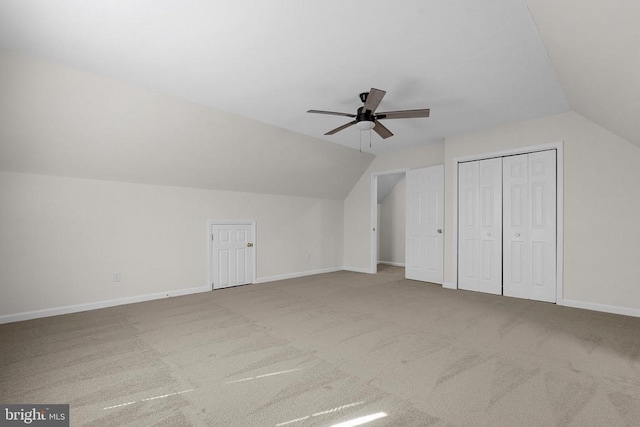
x,y
211,265
559,147
374,215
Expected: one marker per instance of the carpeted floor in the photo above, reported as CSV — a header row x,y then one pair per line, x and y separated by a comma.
x,y
324,349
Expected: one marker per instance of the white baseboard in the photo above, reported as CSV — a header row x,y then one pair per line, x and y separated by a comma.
x,y
297,274
357,270
395,264
28,315
449,285
17,317
614,309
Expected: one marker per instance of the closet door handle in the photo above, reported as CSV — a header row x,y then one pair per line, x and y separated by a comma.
x,y
440,230
517,234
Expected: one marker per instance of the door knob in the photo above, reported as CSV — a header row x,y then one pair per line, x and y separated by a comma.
x,y
488,234
249,245
440,230
517,234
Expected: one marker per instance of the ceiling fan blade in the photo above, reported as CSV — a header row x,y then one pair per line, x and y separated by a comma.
x,y
381,130
338,129
404,114
373,99
331,113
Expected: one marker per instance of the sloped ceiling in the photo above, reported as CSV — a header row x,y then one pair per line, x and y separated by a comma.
x,y
475,63
159,91
386,183
595,49
56,120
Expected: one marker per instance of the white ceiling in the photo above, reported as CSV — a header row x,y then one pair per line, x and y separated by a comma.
x,y
475,63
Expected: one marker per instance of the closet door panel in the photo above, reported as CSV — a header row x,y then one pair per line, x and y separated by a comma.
x,y
516,253
529,213
542,187
468,226
490,224
480,226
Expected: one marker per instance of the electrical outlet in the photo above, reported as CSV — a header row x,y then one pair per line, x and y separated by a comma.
x,y
117,276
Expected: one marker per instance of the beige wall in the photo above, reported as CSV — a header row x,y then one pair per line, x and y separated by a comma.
x,y
63,238
357,205
392,225
601,203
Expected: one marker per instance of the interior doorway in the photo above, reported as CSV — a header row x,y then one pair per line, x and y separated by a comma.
x,y
387,231
418,219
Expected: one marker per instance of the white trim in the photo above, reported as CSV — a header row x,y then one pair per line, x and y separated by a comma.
x,y
509,152
373,261
391,172
559,147
37,314
395,264
454,227
297,274
625,311
358,270
374,216
68,309
449,285
210,225
559,222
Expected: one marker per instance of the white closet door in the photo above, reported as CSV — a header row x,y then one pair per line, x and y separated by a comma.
x,y
480,226
529,212
516,226
490,221
424,223
468,227
543,233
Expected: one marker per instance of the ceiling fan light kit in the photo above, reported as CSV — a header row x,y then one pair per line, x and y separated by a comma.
x,y
366,117
365,125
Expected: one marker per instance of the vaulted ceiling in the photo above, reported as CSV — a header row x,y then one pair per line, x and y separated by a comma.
x,y
594,46
251,69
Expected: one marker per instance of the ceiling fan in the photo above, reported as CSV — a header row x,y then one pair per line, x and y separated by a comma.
x,y
366,118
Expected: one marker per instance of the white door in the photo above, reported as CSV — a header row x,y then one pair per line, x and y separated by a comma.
x,y
232,254
480,226
424,224
468,229
529,212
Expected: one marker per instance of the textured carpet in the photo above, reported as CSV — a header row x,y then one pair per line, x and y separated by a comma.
x,y
325,349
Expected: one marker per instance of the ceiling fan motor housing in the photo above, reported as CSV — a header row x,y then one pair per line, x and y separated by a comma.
x,y
364,115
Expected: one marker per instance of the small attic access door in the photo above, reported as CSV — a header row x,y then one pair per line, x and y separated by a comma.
x,y
231,253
